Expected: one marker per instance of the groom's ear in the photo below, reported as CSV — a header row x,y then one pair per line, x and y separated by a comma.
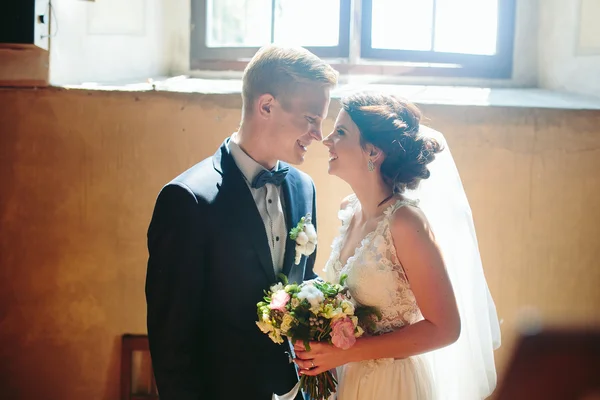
x,y
264,105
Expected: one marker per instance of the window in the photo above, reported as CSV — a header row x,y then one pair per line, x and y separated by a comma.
x,y
463,37
236,29
471,38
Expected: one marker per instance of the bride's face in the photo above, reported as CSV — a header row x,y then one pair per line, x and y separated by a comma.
x,y
347,158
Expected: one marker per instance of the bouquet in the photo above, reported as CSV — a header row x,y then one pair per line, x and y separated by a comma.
x,y
313,311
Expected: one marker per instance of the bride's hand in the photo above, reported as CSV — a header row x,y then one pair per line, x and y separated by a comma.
x,y
321,358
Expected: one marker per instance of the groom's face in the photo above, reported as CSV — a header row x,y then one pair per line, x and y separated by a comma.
x,y
296,122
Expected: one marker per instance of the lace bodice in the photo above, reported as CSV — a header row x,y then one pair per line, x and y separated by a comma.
x,y
375,276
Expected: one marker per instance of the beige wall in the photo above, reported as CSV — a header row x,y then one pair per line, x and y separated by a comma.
x,y
569,46
109,40
80,172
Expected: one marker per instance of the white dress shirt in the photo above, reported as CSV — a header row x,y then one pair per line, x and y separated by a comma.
x,y
268,201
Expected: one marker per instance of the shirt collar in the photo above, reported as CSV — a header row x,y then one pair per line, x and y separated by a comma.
x,y
245,163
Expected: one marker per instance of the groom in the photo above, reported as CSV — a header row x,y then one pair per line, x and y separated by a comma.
x,y
219,237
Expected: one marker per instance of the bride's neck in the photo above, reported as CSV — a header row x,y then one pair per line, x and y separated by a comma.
x,y
370,194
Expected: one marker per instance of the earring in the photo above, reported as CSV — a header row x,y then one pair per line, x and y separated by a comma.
x,y
371,166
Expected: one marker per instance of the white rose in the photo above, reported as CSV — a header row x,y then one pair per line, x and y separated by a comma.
x,y
276,287
300,249
347,307
309,248
302,238
310,231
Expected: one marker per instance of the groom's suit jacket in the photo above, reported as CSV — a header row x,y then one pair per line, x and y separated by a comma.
x,y
209,264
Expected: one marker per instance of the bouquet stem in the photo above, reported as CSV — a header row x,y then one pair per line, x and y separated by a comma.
x,y
318,387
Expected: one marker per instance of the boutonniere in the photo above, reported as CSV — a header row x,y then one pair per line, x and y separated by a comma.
x,y
305,236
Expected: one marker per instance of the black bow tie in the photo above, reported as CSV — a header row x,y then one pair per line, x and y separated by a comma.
x,y
264,177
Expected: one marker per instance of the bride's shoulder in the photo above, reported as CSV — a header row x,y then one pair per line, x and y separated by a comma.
x,y
409,220
347,201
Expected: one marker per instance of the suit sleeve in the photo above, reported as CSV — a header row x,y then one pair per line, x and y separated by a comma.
x,y
309,272
174,282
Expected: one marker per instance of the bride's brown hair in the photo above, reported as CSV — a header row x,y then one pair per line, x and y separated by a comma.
x,y
392,125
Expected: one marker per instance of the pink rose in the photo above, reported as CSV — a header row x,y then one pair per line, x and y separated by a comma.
x,y
279,300
342,333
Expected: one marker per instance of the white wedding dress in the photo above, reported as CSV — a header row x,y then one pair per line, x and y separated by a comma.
x,y
464,370
375,277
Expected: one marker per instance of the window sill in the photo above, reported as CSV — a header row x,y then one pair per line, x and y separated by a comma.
x,y
393,69
420,94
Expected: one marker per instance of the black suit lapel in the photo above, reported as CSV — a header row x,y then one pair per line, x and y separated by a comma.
x,y
240,203
294,204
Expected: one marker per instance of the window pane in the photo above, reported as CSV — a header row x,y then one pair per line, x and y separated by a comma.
x,y
402,24
238,23
466,26
307,22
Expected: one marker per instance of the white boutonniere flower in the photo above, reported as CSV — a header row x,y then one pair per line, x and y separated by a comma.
x,y
305,236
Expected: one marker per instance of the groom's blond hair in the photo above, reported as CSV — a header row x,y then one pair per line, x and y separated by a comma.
x,y
280,70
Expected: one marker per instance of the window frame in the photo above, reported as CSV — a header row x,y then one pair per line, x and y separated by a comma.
x,y
499,65
354,53
201,54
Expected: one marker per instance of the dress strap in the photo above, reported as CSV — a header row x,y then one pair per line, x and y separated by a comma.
x,y
398,204
345,214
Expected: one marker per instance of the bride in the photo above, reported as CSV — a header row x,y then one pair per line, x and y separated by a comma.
x,y
407,246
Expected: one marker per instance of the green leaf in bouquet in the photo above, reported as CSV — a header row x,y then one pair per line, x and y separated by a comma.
x,y
302,332
303,307
367,311
293,288
343,278
367,315
283,278
299,317
326,288
267,296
